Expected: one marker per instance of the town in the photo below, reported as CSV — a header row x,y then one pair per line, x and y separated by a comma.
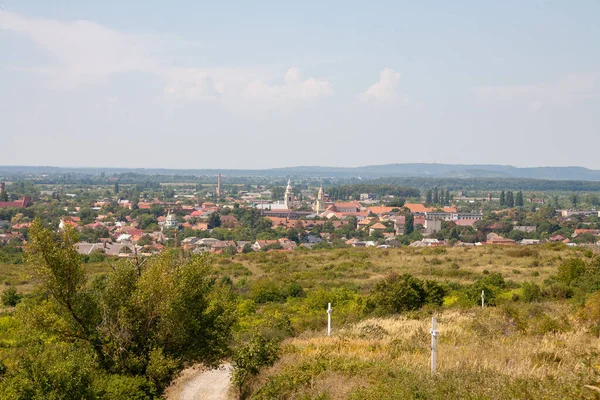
x,y
119,220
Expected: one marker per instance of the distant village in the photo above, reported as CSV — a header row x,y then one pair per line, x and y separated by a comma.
x,y
121,226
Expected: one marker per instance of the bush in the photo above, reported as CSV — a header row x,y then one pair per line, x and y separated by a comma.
x,y
399,293
531,292
258,352
11,297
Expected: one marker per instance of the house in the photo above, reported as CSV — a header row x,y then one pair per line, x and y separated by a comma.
x,y
399,223
493,238
526,229
377,228
432,226
73,222
261,244
527,242
189,243
355,243
22,203
287,244
381,210
222,244
229,221
466,222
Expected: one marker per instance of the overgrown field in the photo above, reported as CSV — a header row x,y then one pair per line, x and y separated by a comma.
x,y
535,339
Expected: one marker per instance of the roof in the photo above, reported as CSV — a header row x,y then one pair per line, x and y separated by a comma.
x,y
382,209
378,225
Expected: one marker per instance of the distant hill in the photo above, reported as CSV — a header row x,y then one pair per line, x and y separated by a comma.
x,y
365,172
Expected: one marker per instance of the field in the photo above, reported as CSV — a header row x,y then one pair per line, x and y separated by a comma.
x,y
518,348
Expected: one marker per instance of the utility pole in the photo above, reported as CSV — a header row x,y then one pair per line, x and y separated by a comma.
x,y
329,319
482,299
434,334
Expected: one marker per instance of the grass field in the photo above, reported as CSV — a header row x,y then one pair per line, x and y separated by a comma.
x,y
515,350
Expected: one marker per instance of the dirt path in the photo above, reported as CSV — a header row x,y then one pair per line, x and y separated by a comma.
x,y
200,384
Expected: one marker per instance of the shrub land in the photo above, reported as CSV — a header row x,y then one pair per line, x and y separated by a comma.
x,y
124,329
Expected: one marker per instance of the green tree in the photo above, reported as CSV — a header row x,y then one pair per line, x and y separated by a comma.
x,y
429,197
140,320
436,196
409,224
510,199
10,297
116,189
519,199
502,198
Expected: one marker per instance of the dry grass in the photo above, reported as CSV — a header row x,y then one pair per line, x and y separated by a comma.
x,y
362,267
539,346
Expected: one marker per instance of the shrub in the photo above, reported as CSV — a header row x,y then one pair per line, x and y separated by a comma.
x,y
11,297
399,293
531,292
258,352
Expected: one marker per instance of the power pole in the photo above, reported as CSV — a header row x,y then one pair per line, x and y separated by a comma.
x,y
482,299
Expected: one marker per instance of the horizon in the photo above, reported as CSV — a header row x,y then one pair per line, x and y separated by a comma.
x,y
297,166
258,86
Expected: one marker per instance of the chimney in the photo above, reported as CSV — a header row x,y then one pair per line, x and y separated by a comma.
x,y
219,185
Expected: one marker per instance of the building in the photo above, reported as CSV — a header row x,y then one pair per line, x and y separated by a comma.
x,y
585,213
289,196
219,185
320,204
23,203
171,221
432,226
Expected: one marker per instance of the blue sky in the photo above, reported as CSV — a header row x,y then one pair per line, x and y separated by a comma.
x,y
188,84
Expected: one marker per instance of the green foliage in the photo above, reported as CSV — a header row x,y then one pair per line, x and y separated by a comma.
x,y
137,321
531,292
10,297
265,291
400,293
247,360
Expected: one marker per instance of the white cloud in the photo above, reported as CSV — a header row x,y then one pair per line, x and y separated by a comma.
x,y
85,53
559,93
385,91
293,88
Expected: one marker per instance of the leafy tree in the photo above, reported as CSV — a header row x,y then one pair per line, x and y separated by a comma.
x,y
502,198
436,196
4,195
574,199
116,189
214,220
139,320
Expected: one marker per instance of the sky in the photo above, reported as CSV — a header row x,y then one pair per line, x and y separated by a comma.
x,y
264,84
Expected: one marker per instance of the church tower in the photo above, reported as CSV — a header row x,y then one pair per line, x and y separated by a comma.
x,y
289,196
320,206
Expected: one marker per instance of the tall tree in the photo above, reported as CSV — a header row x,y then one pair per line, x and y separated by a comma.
x,y
519,199
409,224
574,200
436,196
502,198
447,197
116,187
510,199
429,197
